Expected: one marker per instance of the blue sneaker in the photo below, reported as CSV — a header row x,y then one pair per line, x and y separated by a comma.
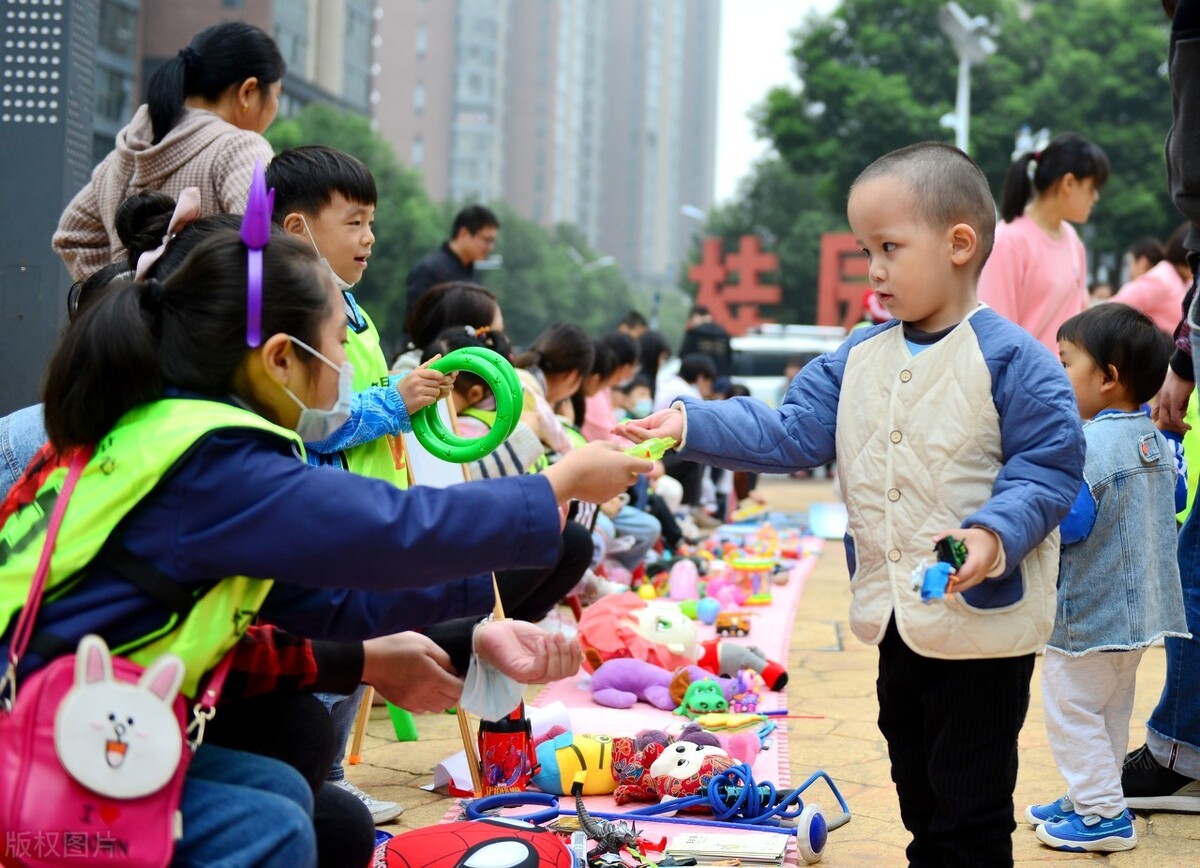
x,y
1090,834
1053,812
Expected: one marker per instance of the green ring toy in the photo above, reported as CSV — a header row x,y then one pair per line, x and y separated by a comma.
x,y
495,370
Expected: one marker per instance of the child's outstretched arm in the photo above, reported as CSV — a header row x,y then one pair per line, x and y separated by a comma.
x,y
746,434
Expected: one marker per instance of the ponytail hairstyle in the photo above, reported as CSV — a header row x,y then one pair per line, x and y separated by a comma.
x,y
460,337
450,304
1038,171
561,348
187,331
216,59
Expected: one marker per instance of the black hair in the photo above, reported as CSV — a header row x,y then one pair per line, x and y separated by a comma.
x,y
699,310
693,366
1067,154
634,319
604,360
1125,338
217,58
305,180
948,187
473,218
83,292
651,345
561,348
1175,252
624,346
1150,249
459,337
737,390
141,222
450,304
188,331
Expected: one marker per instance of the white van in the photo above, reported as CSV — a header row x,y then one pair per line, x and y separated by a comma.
x,y
760,356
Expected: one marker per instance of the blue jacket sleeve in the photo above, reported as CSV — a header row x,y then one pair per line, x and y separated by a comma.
x,y
352,557
1041,438
746,434
1181,469
1078,524
374,413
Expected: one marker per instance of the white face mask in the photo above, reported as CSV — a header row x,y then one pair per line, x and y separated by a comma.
x,y
314,424
642,408
341,284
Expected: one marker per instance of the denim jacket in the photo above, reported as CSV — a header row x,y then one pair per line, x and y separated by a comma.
x,y
22,434
1118,586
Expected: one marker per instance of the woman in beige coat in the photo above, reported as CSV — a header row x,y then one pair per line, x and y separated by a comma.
x,y
201,126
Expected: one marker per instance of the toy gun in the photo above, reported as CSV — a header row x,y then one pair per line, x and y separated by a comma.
x,y
653,449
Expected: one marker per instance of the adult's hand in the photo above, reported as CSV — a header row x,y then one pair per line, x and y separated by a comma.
x,y
409,670
1172,402
526,653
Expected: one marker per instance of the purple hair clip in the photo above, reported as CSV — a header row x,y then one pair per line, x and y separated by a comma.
x,y
256,232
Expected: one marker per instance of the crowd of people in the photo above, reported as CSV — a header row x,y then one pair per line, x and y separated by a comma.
x,y
225,429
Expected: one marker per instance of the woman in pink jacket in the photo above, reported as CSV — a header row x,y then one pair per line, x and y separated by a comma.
x,y
201,126
1158,280
1037,273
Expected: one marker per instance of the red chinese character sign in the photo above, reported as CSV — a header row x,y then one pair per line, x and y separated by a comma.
x,y
748,263
841,281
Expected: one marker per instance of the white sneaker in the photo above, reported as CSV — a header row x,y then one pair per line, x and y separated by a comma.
x,y
381,811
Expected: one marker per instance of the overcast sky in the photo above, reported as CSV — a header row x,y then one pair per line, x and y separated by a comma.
x,y
755,38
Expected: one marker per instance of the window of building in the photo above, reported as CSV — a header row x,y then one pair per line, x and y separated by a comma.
x,y
422,40
118,27
418,153
419,97
112,97
291,32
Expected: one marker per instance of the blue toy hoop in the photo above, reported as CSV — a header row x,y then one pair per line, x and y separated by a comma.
x,y
479,808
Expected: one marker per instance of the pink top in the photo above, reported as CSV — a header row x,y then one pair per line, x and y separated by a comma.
x,y
1034,280
1158,294
600,419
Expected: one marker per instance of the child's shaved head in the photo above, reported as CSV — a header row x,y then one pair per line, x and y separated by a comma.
x,y
947,185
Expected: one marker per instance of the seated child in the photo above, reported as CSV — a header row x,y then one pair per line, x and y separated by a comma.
x,y
946,420
1118,579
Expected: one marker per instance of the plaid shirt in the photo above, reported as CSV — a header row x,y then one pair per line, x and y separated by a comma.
x,y
269,660
201,150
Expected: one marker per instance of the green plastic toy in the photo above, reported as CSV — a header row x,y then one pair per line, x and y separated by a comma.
x,y
653,449
498,373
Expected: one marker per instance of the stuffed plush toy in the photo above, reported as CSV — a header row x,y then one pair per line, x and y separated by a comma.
x,y
562,754
648,770
723,657
624,625
621,682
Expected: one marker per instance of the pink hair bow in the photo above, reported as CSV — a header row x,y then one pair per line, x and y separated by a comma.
x,y
187,209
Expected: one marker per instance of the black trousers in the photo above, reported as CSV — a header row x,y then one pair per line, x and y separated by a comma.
x,y
951,728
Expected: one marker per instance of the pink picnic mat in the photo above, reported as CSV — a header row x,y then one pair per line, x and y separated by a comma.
x,y
771,630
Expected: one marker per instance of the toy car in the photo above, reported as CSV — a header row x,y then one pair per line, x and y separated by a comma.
x,y
732,624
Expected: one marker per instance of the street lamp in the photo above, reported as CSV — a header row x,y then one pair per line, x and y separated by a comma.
x,y
973,44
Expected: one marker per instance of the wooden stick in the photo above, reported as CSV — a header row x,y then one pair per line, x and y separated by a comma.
x,y
360,726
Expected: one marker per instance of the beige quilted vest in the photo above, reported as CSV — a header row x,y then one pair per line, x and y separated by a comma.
x,y
918,445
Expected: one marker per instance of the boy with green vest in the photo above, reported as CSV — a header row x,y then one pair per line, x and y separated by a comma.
x,y
327,198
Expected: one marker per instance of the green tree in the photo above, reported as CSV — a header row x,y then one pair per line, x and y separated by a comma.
x,y
407,224
879,74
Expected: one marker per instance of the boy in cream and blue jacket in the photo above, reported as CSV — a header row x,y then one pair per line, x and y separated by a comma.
x,y
949,419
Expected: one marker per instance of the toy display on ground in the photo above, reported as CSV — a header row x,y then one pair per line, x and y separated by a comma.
x,y
652,664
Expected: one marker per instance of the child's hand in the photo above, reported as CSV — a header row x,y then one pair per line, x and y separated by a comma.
x,y
594,473
664,423
424,386
983,550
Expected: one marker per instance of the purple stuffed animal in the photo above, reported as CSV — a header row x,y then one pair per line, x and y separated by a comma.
x,y
621,682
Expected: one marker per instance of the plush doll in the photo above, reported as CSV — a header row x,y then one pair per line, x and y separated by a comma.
x,y
621,682
649,767
623,625
722,657
702,697
561,754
